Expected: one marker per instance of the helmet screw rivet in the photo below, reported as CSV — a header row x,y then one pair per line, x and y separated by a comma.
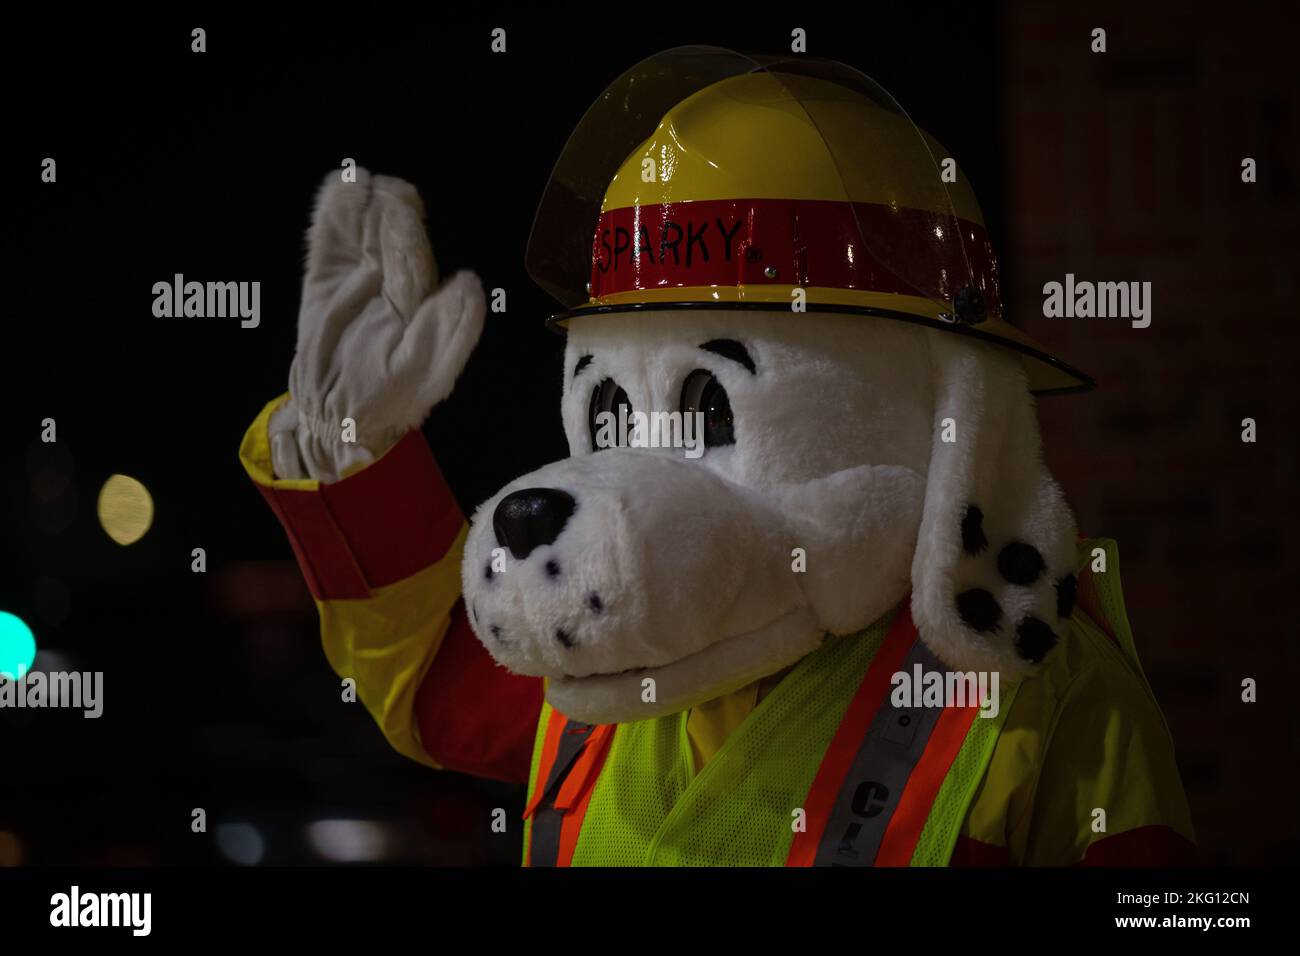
x,y
770,272
968,306
588,288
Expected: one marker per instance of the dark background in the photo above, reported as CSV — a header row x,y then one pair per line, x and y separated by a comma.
x,y
1122,166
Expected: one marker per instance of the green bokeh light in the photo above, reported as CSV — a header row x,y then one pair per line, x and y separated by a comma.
x,y
17,646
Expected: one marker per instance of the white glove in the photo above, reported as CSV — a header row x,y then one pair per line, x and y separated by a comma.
x,y
376,342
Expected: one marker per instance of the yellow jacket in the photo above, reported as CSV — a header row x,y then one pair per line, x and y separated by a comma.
x,y
381,552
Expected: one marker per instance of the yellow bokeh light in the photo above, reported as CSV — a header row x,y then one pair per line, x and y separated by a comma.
x,y
125,509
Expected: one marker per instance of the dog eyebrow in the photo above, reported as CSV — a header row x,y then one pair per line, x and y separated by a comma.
x,y
730,348
582,363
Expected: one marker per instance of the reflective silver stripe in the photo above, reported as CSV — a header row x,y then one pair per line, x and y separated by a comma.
x,y
889,751
544,849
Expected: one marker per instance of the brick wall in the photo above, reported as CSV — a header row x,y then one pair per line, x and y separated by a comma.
x,y
1126,166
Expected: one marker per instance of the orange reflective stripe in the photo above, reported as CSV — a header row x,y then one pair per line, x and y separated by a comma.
x,y
550,747
879,778
579,786
573,754
584,769
905,826
835,765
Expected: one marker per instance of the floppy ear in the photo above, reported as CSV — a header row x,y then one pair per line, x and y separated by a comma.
x,y
994,574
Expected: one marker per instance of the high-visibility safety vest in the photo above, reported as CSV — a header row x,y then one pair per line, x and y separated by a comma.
x,y
825,772
755,780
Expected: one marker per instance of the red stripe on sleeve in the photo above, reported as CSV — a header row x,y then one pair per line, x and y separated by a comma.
x,y
972,852
386,522
1152,845
319,545
473,715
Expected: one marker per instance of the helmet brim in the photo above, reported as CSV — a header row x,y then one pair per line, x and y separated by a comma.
x,y
1047,375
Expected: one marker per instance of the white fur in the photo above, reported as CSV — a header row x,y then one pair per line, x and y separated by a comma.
x,y
995,463
837,452
692,559
379,342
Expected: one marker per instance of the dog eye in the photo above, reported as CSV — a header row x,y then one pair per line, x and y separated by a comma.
x,y
701,392
608,396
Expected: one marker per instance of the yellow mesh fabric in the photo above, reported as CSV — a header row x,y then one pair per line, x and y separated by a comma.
x,y
645,774
968,771
647,809
1111,596
1003,788
1084,733
939,836
538,741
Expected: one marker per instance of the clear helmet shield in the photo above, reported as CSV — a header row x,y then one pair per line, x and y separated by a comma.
x,y
707,177
559,256
915,222
847,193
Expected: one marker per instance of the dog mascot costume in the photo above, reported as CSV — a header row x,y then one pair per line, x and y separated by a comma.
x,y
752,649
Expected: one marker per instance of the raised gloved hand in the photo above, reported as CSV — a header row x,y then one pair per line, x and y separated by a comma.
x,y
378,341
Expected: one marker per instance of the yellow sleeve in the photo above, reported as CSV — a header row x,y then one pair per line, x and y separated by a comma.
x,y
1084,769
381,552
386,643
1109,789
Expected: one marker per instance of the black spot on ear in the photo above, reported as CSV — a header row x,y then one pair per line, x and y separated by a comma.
x,y
1020,563
488,573
495,629
979,609
973,540
1067,589
552,568
1034,639
564,637
595,603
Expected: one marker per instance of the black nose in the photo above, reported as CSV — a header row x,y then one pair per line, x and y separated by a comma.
x,y
527,519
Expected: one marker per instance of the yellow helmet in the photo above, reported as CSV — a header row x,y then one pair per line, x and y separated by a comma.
x,y
703,178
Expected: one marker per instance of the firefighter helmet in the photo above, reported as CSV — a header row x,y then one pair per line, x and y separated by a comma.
x,y
704,178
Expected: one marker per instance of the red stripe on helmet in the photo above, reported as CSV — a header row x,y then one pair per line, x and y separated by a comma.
x,y
868,247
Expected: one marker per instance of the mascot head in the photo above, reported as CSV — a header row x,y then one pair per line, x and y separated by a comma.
x,y
789,395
